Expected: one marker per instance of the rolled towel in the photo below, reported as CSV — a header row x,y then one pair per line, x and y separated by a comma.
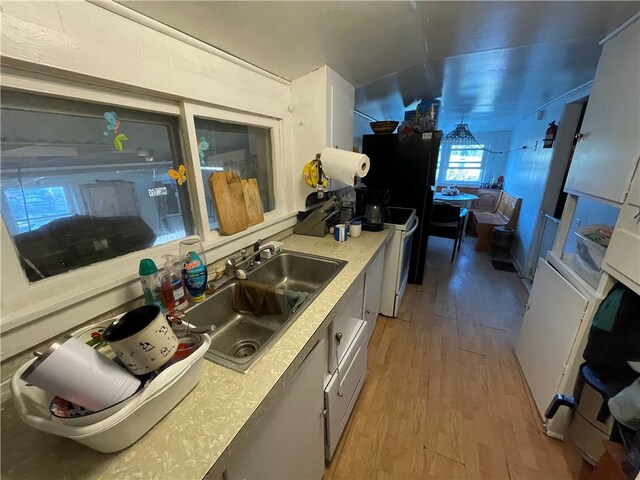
x,y
294,298
625,406
256,298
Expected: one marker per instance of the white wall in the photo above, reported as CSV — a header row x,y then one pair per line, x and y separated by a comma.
x,y
495,163
527,172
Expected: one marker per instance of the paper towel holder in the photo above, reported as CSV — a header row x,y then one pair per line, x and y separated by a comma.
x,y
321,177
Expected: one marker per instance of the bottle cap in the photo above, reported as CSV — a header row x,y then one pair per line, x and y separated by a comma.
x,y
169,261
147,267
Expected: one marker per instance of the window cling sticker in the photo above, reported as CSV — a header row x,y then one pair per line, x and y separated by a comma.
x,y
179,175
203,146
113,124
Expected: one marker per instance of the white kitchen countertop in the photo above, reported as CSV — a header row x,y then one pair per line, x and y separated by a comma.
x,y
197,433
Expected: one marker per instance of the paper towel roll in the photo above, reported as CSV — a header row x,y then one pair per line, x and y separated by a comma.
x,y
343,166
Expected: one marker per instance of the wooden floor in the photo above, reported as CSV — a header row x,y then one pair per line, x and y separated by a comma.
x,y
444,396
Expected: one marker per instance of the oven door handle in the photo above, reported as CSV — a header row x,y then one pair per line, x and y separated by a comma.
x,y
413,229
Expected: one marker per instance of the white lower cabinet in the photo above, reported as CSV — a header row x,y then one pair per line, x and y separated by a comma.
x,y
288,443
549,328
372,289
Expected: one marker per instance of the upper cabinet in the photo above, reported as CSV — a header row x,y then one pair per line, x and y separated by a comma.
x,y
340,105
322,104
607,152
623,255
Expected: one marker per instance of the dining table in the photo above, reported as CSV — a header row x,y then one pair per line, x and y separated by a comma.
x,y
462,199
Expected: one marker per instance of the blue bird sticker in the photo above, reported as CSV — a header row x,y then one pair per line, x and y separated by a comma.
x,y
113,124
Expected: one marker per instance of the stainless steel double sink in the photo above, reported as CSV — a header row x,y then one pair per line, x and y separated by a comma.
x,y
240,338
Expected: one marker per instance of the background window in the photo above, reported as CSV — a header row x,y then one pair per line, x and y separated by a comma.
x,y
32,208
83,182
243,149
460,164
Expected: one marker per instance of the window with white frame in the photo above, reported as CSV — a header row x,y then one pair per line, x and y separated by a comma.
x,y
460,164
85,182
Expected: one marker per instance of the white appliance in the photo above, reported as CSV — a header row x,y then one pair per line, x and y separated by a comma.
x,y
397,258
342,388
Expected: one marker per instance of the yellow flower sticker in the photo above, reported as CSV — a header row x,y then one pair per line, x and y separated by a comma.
x,y
180,175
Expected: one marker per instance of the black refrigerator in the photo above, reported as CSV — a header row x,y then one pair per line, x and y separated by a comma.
x,y
407,168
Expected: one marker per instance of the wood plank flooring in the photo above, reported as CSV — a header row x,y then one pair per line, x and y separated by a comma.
x,y
444,397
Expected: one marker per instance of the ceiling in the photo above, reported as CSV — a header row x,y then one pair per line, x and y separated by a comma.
x,y
493,62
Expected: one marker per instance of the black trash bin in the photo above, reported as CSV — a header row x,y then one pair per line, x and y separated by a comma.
x,y
501,242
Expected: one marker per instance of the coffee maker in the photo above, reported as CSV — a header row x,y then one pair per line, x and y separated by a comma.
x,y
371,205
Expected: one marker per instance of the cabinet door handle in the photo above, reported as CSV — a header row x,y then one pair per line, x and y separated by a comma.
x,y
338,339
527,306
367,311
637,215
579,136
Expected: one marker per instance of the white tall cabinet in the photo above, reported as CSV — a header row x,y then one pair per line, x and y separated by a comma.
x,y
322,105
563,299
607,152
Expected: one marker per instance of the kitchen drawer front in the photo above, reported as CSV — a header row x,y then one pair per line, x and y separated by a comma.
x,y
347,323
339,408
623,253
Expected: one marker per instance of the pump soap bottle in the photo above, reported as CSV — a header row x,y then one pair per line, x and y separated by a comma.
x,y
171,286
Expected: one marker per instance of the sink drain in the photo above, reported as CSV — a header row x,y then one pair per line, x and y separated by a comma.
x,y
244,348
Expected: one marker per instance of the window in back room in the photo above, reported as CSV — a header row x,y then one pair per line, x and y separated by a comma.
x,y
83,183
460,164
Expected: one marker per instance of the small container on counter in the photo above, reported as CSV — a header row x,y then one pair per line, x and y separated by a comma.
x,y
150,288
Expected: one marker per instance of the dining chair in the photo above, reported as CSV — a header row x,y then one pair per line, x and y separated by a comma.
x,y
447,222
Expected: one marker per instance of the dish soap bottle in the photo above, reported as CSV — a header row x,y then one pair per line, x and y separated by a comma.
x,y
150,289
194,268
171,286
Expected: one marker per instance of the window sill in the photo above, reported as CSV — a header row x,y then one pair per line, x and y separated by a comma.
x,y
37,321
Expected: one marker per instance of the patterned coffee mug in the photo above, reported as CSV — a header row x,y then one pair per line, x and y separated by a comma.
x,y
142,339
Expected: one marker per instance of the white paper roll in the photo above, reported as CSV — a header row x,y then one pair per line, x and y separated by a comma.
x,y
343,166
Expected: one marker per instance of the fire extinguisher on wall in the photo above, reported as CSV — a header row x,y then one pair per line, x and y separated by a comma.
x,y
550,136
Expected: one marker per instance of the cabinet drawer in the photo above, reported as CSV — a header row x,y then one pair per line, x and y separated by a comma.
x,y
351,379
347,322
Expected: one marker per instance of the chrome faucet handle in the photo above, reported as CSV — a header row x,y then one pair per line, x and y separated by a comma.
x,y
256,246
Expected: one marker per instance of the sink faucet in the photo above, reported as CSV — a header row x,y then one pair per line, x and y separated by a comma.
x,y
233,267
